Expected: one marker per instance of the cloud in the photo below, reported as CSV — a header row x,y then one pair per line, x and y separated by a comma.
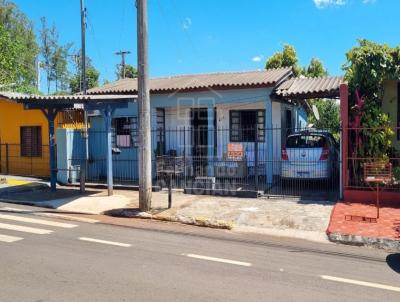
x,y
368,1
257,58
326,3
187,23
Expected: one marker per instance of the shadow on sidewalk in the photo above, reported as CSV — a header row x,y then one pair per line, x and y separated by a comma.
x,y
37,193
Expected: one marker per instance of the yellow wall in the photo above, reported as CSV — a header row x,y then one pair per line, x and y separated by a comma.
x,y
389,106
12,117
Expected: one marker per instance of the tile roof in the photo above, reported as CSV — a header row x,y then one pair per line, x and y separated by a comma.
x,y
15,96
200,81
324,87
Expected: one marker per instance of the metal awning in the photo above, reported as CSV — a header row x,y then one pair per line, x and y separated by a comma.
x,y
302,88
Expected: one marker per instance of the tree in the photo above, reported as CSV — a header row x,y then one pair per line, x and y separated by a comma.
x,y
329,113
286,58
92,75
54,56
130,72
59,65
315,69
18,48
368,65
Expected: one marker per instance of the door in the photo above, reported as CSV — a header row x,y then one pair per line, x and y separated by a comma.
x,y
199,123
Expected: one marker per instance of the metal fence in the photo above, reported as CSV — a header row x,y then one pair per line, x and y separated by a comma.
x,y
262,163
16,162
216,161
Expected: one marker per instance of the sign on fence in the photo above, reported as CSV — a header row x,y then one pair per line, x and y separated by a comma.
x,y
235,151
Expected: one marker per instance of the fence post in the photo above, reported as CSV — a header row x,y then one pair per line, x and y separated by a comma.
x,y
256,160
7,160
1,159
184,157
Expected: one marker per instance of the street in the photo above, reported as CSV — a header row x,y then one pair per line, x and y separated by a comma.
x,y
46,258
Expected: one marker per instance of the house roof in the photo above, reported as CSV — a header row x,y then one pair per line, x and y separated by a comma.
x,y
267,78
20,97
306,88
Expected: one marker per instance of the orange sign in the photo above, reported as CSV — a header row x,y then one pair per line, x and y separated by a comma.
x,y
235,151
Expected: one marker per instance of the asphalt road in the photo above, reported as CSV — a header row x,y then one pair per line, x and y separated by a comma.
x,y
44,258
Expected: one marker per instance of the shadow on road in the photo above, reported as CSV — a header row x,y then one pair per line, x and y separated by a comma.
x,y
393,261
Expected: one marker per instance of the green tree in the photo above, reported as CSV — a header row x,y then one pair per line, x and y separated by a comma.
x,y
315,69
130,72
55,57
286,58
368,65
329,115
92,75
59,63
18,48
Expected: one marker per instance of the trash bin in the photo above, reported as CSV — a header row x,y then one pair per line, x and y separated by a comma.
x,y
74,172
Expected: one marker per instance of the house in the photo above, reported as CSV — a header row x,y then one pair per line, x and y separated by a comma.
x,y
391,106
199,117
24,137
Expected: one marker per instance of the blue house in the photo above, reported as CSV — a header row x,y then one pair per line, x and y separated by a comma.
x,y
204,119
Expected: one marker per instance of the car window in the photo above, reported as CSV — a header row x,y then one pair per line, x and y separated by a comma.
x,y
305,141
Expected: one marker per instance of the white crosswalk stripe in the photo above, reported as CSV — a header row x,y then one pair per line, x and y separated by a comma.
x,y
51,215
37,221
23,221
9,239
24,229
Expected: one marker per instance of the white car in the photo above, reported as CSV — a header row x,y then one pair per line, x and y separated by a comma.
x,y
309,155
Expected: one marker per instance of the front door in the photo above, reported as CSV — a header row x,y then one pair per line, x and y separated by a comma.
x,y
199,121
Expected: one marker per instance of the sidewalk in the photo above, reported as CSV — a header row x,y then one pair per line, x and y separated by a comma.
x,y
34,192
293,218
356,223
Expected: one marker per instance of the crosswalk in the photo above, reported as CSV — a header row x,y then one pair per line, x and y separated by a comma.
x,y
22,224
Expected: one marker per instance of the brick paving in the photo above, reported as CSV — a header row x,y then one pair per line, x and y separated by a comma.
x,y
360,219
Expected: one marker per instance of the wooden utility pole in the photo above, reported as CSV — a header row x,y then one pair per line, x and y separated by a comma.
x,y
123,64
145,175
85,135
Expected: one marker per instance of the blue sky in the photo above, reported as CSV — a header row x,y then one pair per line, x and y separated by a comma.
x,y
198,36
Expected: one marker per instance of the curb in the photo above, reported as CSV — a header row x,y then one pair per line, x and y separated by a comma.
x,y
380,243
196,221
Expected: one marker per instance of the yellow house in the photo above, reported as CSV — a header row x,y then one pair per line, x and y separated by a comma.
x,y
24,138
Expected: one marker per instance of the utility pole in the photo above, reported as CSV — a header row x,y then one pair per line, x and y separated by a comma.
x,y
123,53
38,73
145,185
84,87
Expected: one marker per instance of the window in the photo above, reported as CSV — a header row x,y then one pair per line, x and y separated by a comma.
x,y
305,141
245,124
31,141
125,132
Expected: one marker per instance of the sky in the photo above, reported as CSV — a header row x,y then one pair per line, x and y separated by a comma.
x,y
201,36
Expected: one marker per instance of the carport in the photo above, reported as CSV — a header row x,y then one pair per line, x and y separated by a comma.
x,y
52,105
300,90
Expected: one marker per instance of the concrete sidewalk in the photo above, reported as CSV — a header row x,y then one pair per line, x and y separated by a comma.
x,y
279,217
293,218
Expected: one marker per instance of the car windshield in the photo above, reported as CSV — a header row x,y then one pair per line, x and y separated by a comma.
x,y
305,141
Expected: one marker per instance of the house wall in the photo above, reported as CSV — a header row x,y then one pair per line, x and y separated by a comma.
x,y
12,118
390,106
177,123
